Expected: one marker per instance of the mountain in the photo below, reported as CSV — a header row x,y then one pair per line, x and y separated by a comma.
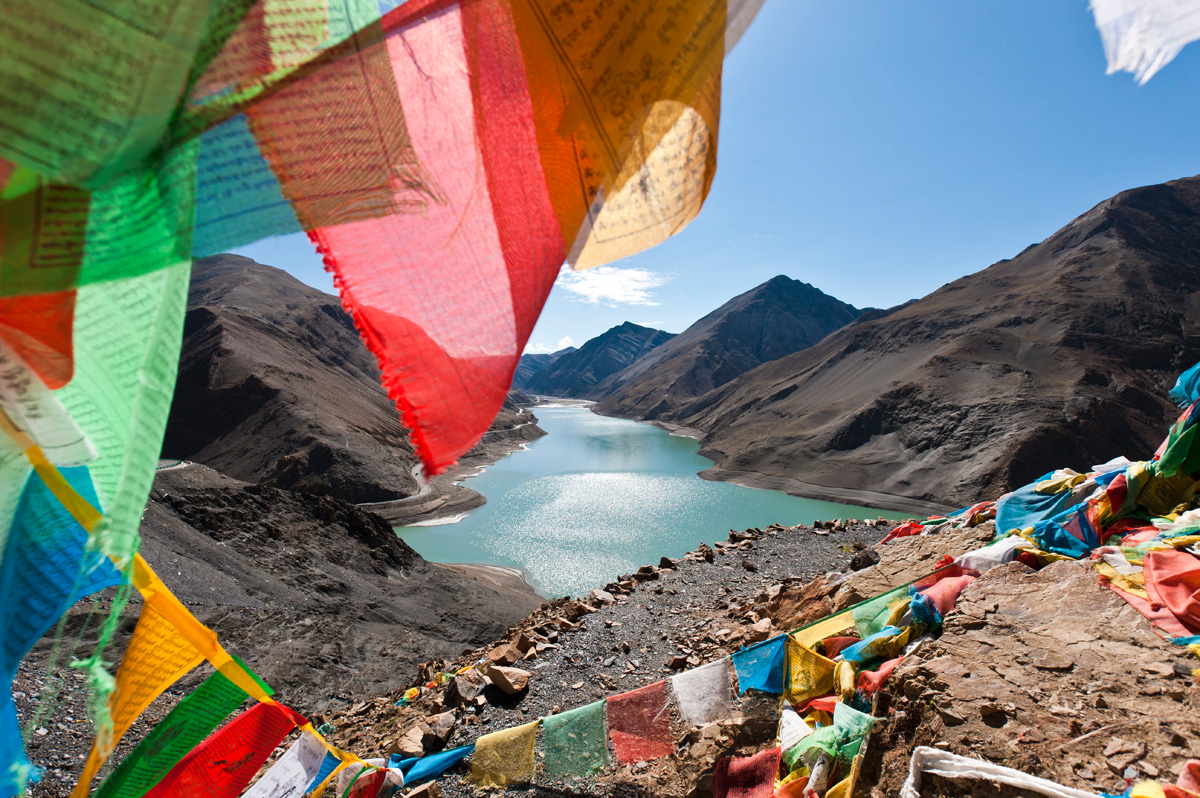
x,y
777,318
320,597
1060,356
276,387
529,366
577,374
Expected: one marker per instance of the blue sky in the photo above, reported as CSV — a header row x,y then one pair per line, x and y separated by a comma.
x,y
879,150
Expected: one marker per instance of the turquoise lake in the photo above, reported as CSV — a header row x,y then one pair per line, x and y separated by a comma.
x,y
598,497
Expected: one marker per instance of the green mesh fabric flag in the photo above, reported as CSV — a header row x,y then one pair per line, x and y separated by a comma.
x,y
128,335
183,729
871,616
576,744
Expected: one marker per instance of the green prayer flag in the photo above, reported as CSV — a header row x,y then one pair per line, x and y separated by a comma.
x,y
872,616
183,729
576,744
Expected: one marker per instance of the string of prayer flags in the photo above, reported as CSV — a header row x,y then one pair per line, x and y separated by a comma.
x,y
505,756
705,693
291,774
762,666
575,741
191,720
44,569
223,764
871,616
639,723
156,657
746,776
478,146
809,675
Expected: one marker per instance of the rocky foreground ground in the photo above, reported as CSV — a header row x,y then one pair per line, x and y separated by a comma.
x,y
1043,671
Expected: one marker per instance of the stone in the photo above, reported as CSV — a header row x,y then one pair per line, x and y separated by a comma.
x,y
1120,754
429,789
601,597
441,726
412,743
510,680
1051,660
464,688
759,631
504,654
864,559
749,566
678,662
667,564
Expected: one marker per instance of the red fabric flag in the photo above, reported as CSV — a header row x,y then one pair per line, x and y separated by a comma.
x,y
222,765
639,724
1173,581
746,776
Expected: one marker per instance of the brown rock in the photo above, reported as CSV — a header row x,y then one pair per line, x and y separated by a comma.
x,y
510,680
504,654
464,688
667,564
601,597
761,630
412,743
749,566
429,789
441,726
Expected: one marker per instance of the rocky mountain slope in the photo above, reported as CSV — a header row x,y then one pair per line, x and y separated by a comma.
x,y
772,320
276,387
529,366
577,374
1061,356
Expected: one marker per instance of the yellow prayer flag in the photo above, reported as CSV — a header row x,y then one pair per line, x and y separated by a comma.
x,y
809,675
504,756
157,656
814,633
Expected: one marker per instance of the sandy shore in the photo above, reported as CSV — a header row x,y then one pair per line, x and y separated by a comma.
x,y
499,576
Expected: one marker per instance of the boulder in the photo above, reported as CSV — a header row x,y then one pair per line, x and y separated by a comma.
x,y
510,680
504,654
463,688
440,726
601,597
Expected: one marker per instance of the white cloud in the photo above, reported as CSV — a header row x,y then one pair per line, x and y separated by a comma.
x,y
542,349
613,285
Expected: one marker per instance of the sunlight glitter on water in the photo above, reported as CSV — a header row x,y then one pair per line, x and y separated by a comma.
x,y
598,497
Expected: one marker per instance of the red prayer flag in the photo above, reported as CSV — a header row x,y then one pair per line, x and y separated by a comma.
x,y
222,765
746,776
639,724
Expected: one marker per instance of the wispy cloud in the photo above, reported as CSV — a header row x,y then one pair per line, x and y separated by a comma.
x,y
613,285
542,349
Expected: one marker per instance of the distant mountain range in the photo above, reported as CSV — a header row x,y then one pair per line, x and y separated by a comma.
x,y
529,366
775,319
1062,355
276,387
576,374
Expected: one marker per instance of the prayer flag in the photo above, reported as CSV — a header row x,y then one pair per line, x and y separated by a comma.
x,y
705,693
575,742
505,757
639,724
180,731
746,776
762,665
222,765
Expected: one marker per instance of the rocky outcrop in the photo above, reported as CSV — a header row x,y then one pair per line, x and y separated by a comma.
x,y
320,597
577,374
276,387
773,320
1061,356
